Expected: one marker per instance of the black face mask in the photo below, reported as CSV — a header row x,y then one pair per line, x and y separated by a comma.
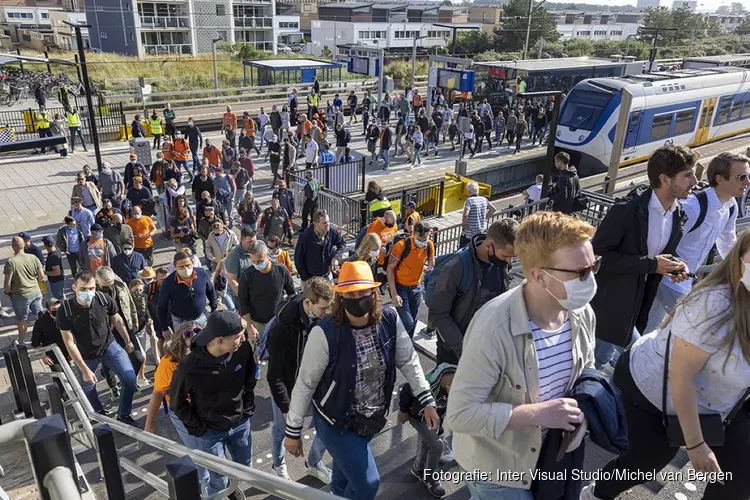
x,y
107,290
389,224
494,259
118,225
52,314
358,307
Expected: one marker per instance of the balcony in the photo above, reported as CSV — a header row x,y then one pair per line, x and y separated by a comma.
x,y
253,22
164,22
161,50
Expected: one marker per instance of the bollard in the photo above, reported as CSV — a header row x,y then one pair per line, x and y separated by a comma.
x,y
48,444
461,167
28,375
21,383
55,400
182,478
109,462
13,381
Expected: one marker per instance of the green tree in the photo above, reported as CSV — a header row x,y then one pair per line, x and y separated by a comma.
x,y
579,47
473,42
511,36
325,53
681,22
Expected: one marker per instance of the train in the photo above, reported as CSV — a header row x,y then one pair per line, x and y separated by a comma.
x,y
689,107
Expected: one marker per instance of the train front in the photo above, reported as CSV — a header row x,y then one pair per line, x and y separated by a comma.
x,y
586,127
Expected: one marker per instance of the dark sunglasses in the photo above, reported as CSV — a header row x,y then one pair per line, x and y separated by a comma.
x,y
190,333
582,273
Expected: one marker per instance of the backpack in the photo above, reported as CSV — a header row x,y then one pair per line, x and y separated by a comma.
x,y
70,312
702,197
222,195
407,248
467,278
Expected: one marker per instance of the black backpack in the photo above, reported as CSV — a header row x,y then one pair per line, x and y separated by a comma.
x,y
702,197
407,248
70,312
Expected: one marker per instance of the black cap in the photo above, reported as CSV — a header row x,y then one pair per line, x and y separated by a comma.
x,y
222,323
26,236
48,240
96,227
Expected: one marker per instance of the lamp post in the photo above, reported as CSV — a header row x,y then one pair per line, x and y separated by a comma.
x,y
216,69
87,91
528,27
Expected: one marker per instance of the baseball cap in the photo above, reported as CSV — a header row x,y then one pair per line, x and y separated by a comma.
x,y
133,156
51,302
48,240
222,323
96,227
411,204
26,236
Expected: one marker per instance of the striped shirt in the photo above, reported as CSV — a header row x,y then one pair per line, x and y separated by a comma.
x,y
554,350
476,222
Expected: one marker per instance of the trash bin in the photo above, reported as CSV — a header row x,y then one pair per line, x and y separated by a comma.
x,y
141,146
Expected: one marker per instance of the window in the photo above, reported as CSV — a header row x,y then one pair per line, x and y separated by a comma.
x,y
600,33
684,122
584,33
583,108
222,35
221,9
661,126
736,109
307,8
724,106
45,15
364,34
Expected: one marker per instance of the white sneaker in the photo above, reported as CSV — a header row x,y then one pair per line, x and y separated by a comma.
x,y
142,384
587,493
447,455
320,472
281,472
3,314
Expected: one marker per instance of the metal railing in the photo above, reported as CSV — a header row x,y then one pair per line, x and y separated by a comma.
x,y
344,212
165,22
101,438
166,49
345,178
253,22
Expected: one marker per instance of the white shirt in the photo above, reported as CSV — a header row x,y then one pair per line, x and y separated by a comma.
x,y
262,118
659,225
717,228
311,151
447,116
535,193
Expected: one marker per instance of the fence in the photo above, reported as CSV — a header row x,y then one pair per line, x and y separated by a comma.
x,y
109,120
447,240
344,212
51,456
344,178
429,200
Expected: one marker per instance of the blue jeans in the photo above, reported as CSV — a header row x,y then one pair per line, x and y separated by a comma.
x,y
384,154
666,298
76,131
229,299
238,439
182,164
116,359
417,159
486,490
355,474
604,352
229,209
196,161
317,449
409,312
202,320
57,289
23,305
189,441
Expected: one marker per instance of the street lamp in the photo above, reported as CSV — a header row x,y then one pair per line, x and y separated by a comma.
x,y
528,27
216,69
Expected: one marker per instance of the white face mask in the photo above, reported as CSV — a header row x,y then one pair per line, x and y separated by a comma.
x,y
374,253
745,280
579,292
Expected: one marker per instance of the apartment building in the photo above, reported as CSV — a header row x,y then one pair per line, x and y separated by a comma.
x,y
488,16
29,25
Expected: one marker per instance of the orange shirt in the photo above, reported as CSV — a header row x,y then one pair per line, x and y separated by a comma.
x,y
286,260
163,375
250,127
386,234
409,271
181,150
306,127
213,155
230,119
166,151
144,225
97,252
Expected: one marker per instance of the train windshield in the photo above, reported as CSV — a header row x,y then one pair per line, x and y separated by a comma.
x,y
583,108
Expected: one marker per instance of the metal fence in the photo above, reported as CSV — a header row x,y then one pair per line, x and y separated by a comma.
x,y
428,198
344,212
55,467
447,239
344,178
109,120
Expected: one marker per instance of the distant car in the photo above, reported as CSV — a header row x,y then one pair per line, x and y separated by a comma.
x,y
284,49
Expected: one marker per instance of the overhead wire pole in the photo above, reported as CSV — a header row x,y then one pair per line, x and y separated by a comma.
x,y
216,69
87,91
528,27
654,44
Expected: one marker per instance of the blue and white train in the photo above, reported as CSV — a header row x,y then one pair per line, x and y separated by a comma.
x,y
688,107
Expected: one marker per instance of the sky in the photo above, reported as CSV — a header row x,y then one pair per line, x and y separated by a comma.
x,y
703,5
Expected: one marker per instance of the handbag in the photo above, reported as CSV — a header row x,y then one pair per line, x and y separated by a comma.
x,y
712,425
363,426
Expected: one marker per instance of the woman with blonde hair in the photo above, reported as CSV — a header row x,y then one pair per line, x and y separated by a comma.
x,y
686,384
368,251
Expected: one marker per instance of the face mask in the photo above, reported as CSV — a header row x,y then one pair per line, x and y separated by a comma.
x,y
106,289
579,292
185,272
420,244
260,267
148,282
745,280
127,251
118,225
358,307
133,162
389,224
374,253
96,236
137,216
274,258
86,297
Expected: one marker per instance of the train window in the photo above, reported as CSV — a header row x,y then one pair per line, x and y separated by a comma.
x,y
661,126
583,108
724,107
736,109
746,109
684,122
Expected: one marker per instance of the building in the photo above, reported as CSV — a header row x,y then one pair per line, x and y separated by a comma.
x,y
29,25
488,16
597,31
64,35
287,29
647,4
690,5
306,10
727,23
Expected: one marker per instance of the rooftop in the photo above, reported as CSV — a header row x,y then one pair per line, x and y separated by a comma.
x,y
291,64
347,5
549,64
723,58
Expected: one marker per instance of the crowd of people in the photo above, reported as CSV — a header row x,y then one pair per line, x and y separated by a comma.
x,y
523,373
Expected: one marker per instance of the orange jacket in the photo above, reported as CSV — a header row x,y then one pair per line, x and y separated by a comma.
x,y
213,155
181,150
231,120
166,151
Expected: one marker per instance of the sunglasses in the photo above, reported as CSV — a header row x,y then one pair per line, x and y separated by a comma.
x,y
582,273
189,333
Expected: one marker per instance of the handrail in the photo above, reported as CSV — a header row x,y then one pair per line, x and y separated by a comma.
x,y
61,485
269,483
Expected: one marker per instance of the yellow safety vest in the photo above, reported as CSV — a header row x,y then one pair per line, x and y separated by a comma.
x,y
42,119
314,100
73,119
378,204
155,124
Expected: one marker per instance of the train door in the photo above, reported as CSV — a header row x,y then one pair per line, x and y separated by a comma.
x,y
631,135
704,123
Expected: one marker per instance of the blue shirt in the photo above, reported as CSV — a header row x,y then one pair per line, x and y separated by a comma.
x,y
73,244
84,219
337,102
327,158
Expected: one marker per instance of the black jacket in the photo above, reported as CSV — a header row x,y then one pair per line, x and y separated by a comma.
x,y
220,390
387,136
275,120
567,187
600,400
343,137
312,256
200,185
47,333
137,130
627,278
286,343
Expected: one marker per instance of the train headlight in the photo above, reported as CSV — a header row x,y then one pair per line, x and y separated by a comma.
x,y
581,137
559,133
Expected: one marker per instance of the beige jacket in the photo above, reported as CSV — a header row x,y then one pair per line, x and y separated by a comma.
x,y
498,371
78,189
214,251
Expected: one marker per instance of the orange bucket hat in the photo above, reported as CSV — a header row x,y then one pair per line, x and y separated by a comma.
x,y
355,276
